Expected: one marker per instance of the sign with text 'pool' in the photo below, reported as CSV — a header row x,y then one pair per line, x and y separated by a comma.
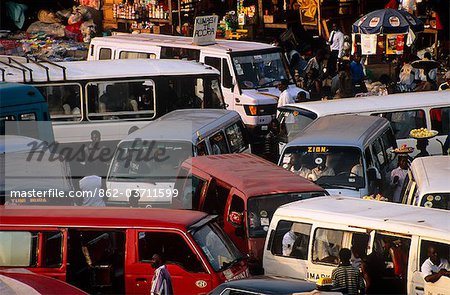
x,y
205,29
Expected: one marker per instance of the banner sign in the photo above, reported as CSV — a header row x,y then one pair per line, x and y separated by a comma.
x,y
205,29
368,44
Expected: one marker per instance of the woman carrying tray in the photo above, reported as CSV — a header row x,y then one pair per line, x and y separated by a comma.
x,y
398,175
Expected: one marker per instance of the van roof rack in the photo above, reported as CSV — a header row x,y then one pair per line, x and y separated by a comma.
x,y
35,60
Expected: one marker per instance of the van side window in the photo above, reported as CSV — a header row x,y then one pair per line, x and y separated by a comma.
x,y
237,204
52,252
291,239
180,53
64,101
440,120
236,137
24,245
227,78
213,61
105,53
394,251
216,199
403,122
218,144
202,150
442,249
134,55
378,152
389,143
112,100
327,244
190,188
172,246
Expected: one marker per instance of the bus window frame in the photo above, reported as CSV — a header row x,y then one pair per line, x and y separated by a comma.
x,y
87,98
151,55
39,230
62,119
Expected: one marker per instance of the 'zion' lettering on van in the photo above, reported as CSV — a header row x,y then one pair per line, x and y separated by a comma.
x,y
317,149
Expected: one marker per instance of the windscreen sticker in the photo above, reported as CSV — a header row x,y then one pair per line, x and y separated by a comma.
x,y
430,198
265,221
437,198
318,161
265,228
428,204
263,213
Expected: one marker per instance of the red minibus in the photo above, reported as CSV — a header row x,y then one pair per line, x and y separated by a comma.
x,y
108,250
244,190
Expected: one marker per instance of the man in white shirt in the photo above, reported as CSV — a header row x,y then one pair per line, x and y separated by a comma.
x,y
288,242
336,42
285,97
434,267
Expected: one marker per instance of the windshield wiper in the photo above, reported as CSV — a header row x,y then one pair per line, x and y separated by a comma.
x,y
330,185
267,83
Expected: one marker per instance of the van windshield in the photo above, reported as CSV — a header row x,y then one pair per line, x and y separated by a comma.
x,y
149,161
261,210
217,247
259,69
293,121
331,167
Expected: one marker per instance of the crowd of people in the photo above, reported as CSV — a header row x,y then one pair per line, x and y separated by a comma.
x,y
363,274
334,72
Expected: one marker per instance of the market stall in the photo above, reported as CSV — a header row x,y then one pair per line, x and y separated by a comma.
x,y
49,30
384,34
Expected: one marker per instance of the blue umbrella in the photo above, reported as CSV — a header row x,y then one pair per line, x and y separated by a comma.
x,y
387,21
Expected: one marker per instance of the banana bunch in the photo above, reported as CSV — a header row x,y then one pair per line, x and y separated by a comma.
x,y
421,133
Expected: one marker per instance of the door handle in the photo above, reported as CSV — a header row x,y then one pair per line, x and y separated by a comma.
x,y
140,281
420,288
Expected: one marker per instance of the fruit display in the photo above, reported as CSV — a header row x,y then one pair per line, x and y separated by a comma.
x,y
422,133
404,149
377,197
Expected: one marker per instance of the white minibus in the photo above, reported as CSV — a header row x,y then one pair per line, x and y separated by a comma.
x,y
320,227
147,161
108,99
427,183
405,111
249,70
344,154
